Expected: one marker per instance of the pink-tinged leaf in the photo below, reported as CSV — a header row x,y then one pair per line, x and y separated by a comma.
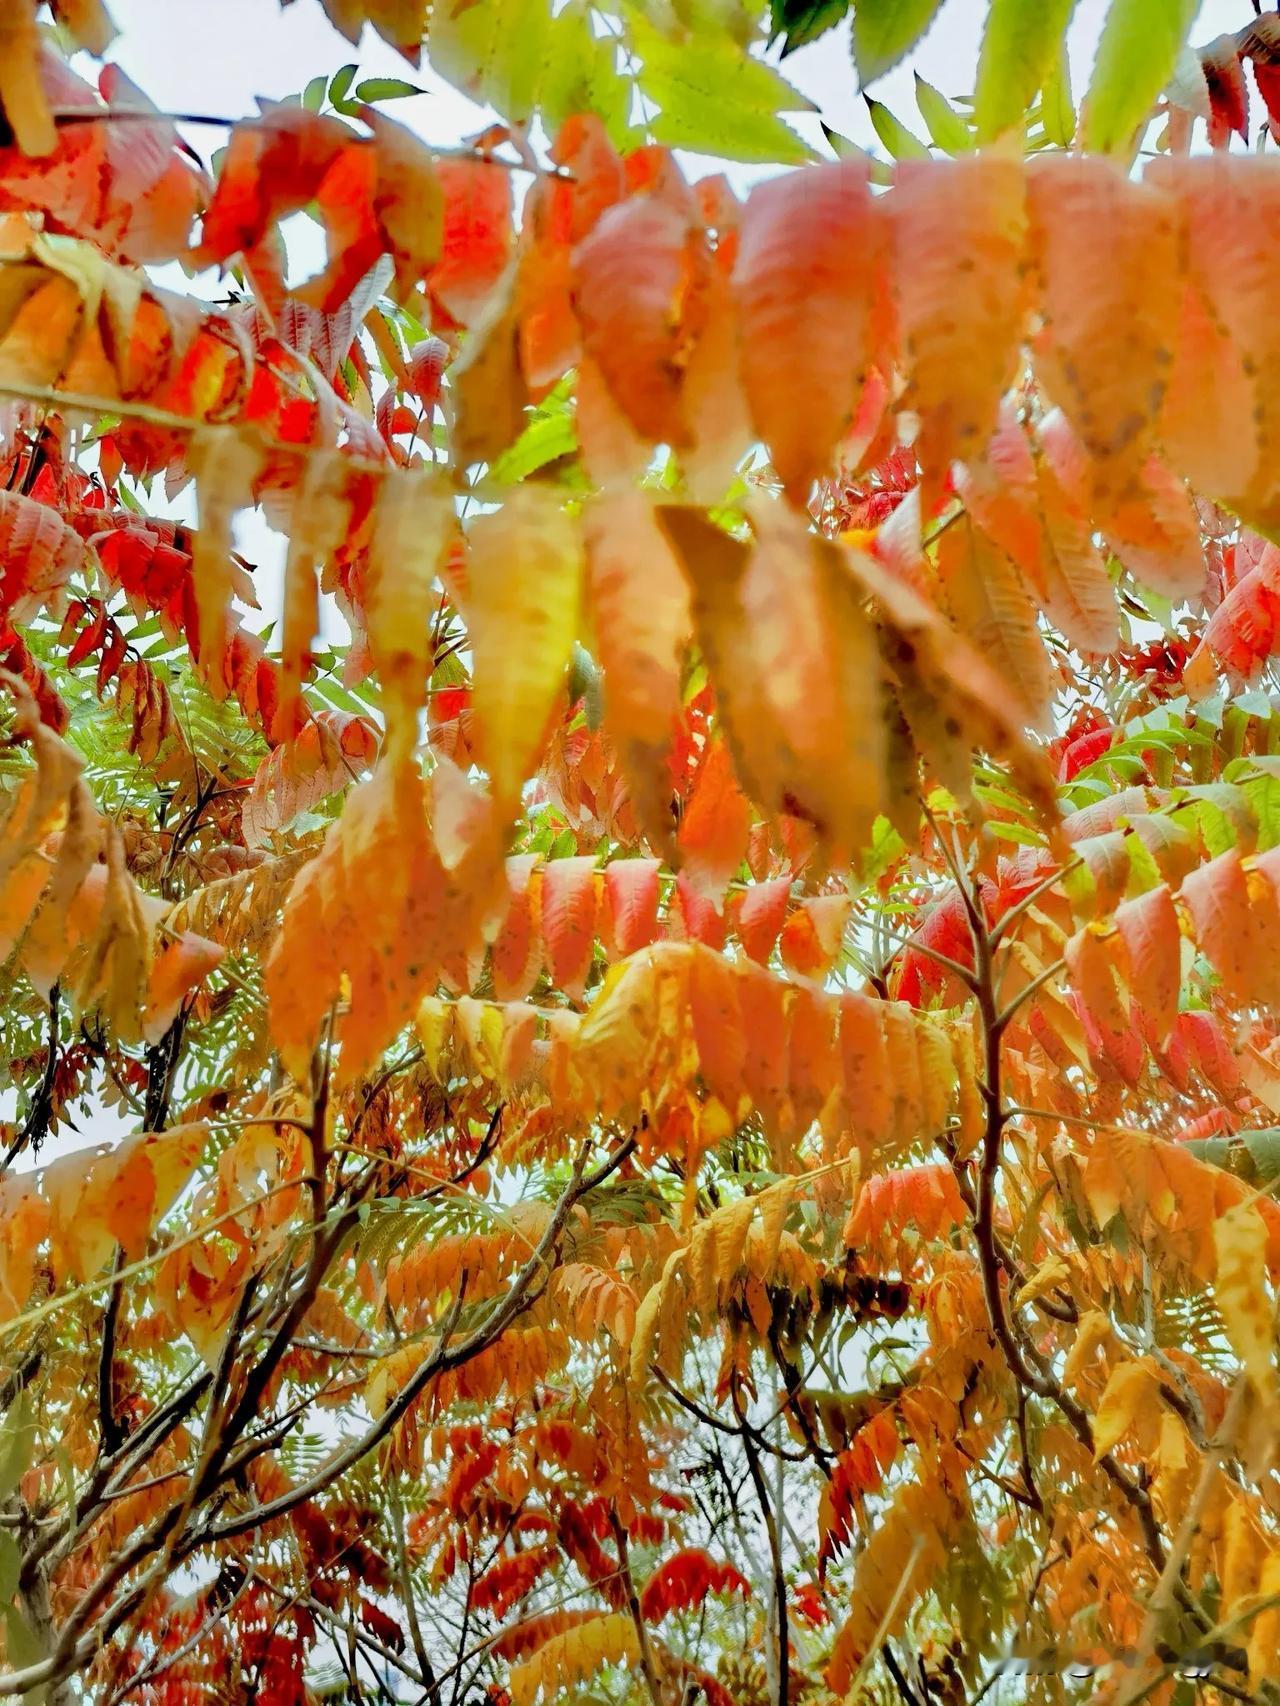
x,y
1078,594
1242,632
714,402
631,903
570,904
1151,525
809,266
1110,303
958,232
998,489
758,916
695,918
1235,934
1227,374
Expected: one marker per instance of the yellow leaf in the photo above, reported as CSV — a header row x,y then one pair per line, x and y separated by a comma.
x,y
1240,1286
1094,1329
1130,1398
1051,1273
412,526
522,608
573,1657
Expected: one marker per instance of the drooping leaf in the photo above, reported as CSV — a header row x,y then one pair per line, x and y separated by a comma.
x,y
525,569
808,266
885,31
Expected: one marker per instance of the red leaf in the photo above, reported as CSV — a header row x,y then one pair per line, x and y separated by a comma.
x,y
631,903
1228,92
758,915
570,892
684,1581
381,1627
477,236
696,918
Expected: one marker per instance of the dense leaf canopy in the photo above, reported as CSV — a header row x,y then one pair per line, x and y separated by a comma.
x,y
686,1108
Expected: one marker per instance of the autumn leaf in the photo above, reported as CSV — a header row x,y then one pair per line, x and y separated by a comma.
x,y
525,568
809,262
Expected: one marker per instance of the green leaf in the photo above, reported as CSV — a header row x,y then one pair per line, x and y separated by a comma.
x,y
947,130
885,31
713,97
902,143
17,1437
340,82
386,89
1057,108
10,1563
546,439
496,51
1140,44
22,1648
582,76
843,149
313,94
801,21
1019,47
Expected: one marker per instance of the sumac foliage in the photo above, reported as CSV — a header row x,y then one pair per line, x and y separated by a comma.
x,y
654,1072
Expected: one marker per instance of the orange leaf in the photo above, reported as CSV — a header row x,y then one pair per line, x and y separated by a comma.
x,y
177,969
517,948
1152,953
809,263
636,281
714,827
476,240
813,936
639,606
